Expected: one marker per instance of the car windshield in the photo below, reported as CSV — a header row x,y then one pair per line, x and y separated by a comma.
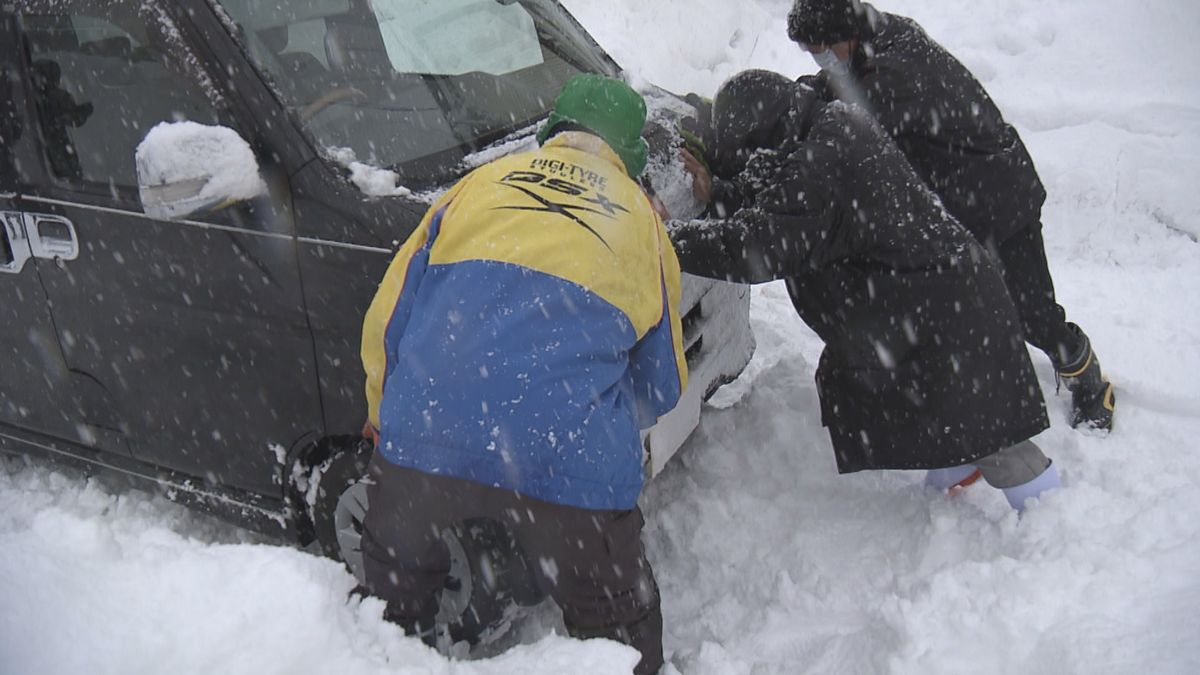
x,y
414,85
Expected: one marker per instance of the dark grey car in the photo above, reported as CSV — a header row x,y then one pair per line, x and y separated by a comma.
x,y
205,339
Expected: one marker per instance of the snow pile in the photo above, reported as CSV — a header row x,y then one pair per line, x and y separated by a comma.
x,y
376,181
372,180
769,562
94,583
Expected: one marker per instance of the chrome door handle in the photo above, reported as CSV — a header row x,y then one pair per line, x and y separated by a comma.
x,y
18,243
37,235
51,237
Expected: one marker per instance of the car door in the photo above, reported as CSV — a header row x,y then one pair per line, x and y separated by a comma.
x,y
35,388
189,338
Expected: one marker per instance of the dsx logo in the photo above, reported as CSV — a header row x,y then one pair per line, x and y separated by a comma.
x,y
598,204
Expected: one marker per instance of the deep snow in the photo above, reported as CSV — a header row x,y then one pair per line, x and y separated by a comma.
x,y
769,561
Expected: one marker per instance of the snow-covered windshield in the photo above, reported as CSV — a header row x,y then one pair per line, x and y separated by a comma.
x,y
415,84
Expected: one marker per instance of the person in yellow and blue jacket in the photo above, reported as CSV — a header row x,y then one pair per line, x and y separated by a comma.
x,y
522,337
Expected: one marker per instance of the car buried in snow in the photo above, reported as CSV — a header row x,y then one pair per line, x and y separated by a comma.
x,y
186,314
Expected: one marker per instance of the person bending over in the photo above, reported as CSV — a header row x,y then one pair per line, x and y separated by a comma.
x,y
924,365
522,337
956,139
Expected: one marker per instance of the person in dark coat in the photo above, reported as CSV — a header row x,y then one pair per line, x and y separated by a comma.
x,y
924,366
956,139
59,112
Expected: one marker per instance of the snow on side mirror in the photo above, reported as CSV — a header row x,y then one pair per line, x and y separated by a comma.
x,y
187,168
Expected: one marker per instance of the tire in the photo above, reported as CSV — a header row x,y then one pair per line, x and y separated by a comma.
x,y
489,578
489,574
337,500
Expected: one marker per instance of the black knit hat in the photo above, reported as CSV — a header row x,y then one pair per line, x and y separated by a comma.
x,y
825,22
753,110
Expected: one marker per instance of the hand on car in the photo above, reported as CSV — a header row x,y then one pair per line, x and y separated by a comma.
x,y
701,178
659,207
370,433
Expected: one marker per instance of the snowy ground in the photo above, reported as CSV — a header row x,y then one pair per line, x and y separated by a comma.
x,y
770,562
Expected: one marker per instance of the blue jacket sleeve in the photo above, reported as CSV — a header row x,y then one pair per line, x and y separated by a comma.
x,y
657,362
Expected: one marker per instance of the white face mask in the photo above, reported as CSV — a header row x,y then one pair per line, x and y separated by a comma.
x,y
827,60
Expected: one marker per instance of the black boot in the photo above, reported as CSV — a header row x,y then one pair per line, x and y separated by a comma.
x,y
1092,397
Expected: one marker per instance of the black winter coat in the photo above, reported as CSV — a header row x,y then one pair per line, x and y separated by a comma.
x,y
949,129
924,365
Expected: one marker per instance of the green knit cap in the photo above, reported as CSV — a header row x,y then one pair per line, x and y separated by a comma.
x,y
609,108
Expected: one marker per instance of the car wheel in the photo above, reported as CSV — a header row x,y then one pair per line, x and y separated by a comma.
x,y
489,578
337,499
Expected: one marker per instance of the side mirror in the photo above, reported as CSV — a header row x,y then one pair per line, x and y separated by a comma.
x,y
187,168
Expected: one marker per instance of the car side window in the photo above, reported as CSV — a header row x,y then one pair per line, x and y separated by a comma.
x,y
100,83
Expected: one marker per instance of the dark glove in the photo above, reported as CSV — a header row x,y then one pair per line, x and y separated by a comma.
x,y
819,83
680,233
80,114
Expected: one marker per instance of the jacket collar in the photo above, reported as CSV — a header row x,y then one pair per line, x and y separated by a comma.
x,y
589,143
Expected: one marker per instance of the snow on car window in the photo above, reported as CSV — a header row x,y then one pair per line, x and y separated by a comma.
x,y
181,52
372,180
376,181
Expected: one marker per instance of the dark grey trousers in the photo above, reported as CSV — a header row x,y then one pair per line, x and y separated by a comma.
x,y
1027,275
592,563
